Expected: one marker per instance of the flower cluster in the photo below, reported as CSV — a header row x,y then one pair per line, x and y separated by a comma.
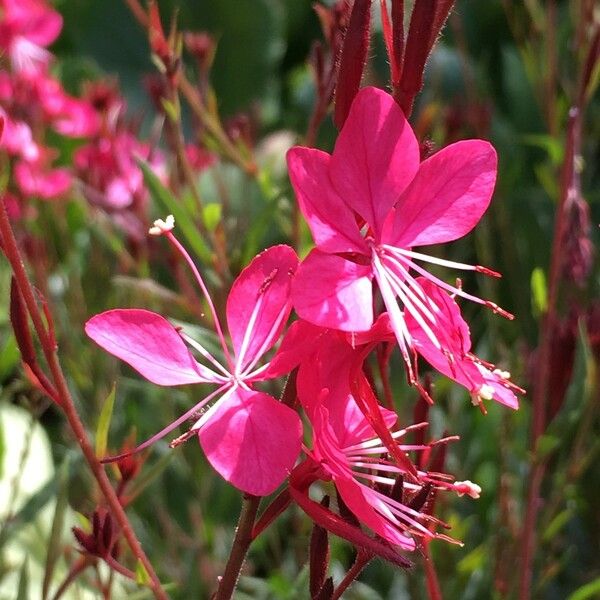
x,y
368,205
37,110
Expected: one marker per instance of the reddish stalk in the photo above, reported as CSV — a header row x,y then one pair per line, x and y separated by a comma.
x,y
241,544
13,255
433,585
362,560
540,384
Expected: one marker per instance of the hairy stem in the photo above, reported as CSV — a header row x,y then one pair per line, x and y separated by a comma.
x,y
239,549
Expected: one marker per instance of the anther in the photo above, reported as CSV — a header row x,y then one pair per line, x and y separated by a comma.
x,y
161,227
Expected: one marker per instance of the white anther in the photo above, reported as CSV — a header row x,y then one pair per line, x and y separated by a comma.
x,y
467,487
161,226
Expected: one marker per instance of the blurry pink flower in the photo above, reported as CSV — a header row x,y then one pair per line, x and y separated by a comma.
x,y
17,139
26,28
249,437
37,179
108,168
368,204
39,97
199,158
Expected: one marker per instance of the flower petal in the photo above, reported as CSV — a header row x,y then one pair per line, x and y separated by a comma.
x,y
259,302
361,500
447,198
252,441
453,358
148,343
332,223
376,156
330,291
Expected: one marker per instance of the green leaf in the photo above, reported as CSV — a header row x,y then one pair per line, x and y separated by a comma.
x,y
539,291
212,215
589,590
184,220
141,575
104,423
54,543
23,591
555,526
546,444
9,357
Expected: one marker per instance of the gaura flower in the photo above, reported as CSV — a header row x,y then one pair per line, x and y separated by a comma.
x,y
26,28
347,451
249,437
368,205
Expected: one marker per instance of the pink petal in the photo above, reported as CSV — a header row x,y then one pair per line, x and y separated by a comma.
x,y
330,291
148,343
454,336
262,288
44,28
447,198
376,156
331,221
35,180
324,382
298,343
342,528
360,500
252,441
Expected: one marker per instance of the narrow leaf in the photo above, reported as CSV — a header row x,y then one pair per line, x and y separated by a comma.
x,y
141,575
104,423
170,205
23,590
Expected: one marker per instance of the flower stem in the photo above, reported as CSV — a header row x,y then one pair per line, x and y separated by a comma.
x,y
362,559
239,549
49,349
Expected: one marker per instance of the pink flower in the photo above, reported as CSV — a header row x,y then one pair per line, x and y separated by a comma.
x,y
17,139
39,180
349,452
39,97
108,168
249,437
26,28
368,205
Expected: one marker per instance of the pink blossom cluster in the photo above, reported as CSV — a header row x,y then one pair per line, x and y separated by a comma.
x,y
368,205
35,107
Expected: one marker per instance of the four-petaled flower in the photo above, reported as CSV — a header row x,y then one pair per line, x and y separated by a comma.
x,y
368,205
248,436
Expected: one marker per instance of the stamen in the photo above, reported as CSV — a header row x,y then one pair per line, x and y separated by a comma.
x,y
204,352
396,317
268,338
442,261
184,417
175,242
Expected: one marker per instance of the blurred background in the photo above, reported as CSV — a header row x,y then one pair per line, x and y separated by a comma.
x,y
504,71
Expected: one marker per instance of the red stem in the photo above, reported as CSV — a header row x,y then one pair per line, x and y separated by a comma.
x,y
13,255
540,384
241,544
362,559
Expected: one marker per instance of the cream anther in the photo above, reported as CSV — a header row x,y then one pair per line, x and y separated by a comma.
x,y
160,227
